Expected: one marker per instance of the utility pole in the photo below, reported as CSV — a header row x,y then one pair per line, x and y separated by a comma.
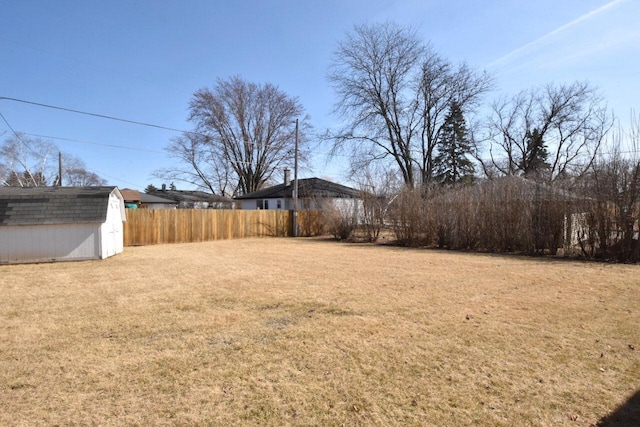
x,y
59,168
295,186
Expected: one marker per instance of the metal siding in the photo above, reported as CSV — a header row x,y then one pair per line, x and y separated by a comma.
x,y
48,243
273,204
250,204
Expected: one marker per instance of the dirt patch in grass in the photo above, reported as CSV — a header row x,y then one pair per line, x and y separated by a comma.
x,y
306,332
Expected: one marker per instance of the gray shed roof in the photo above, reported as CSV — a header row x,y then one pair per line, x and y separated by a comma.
x,y
308,187
53,205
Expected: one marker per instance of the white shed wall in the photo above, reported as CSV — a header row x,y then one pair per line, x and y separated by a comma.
x,y
111,231
44,243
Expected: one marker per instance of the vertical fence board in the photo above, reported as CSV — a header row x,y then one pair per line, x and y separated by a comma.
x,y
151,227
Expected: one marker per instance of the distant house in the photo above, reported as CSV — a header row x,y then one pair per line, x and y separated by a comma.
x,y
313,194
149,201
191,199
133,199
44,224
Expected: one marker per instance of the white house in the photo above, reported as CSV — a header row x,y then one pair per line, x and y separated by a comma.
x,y
44,224
192,199
150,201
313,194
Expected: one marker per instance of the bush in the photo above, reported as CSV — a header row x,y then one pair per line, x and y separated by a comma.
x,y
340,221
408,217
607,224
373,213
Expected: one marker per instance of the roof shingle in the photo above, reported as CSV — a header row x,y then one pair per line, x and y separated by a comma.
x,y
307,188
53,205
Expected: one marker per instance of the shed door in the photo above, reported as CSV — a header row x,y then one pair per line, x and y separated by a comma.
x,y
112,238
113,233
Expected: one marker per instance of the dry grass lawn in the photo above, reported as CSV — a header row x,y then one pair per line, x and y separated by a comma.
x,y
308,332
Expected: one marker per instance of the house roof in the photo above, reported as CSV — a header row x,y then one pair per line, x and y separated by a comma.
x,y
130,195
308,187
189,196
150,198
54,205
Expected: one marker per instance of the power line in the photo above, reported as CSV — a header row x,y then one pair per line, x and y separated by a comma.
x,y
94,143
11,128
101,174
102,116
17,135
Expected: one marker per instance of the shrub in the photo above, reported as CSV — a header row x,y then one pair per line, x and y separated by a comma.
x,y
341,221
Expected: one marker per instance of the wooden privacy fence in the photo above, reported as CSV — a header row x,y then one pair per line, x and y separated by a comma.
x,y
152,227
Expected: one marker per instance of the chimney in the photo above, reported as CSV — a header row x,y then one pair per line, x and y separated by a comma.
x,y
164,187
287,178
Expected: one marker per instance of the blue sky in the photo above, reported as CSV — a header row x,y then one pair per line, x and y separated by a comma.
x,y
143,60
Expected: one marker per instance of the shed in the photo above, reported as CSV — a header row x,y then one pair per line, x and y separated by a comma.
x,y
45,224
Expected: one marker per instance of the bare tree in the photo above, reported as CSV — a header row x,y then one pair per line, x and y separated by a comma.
x,y
26,162
75,173
394,91
245,132
561,126
607,226
378,187
200,163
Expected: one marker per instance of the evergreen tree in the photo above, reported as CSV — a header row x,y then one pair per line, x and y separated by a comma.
x,y
452,164
534,160
150,188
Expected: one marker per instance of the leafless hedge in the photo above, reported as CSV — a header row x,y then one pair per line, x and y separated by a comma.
x,y
510,214
594,217
607,224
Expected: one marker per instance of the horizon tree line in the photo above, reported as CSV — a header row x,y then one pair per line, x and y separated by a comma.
x,y
403,106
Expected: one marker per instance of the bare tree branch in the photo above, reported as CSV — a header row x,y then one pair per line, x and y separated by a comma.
x,y
571,121
250,134
394,91
26,162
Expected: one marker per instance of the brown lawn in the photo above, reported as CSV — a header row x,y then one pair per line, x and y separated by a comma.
x,y
308,332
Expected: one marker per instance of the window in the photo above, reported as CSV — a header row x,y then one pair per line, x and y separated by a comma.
x,y
262,204
279,204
